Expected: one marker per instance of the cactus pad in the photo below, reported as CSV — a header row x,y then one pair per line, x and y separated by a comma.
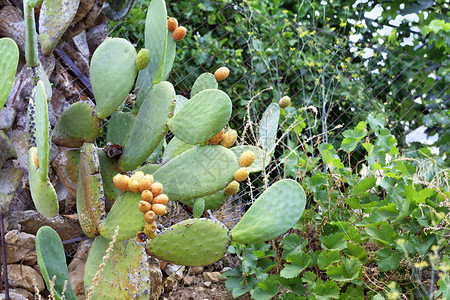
x,y
77,124
174,148
107,170
42,191
205,81
212,201
262,159
125,275
43,147
194,242
150,126
197,172
51,259
113,71
202,117
8,65
180,101
268,128
274,212
119,127
126,214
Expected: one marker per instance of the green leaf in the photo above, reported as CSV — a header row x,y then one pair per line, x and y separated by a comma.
x,y
347,271
357,251
316,181
364,185
266,289
292,244
385,234
300,261
329,155
293,284
327,290
376,122
334,241
327,258
309,278
353,293
387,259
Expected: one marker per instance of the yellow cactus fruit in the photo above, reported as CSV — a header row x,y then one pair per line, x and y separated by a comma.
x,y
36,160
121,182
138,175
241,174
133,185
141,237
215,140
145,182
229,138
147,196
150,216
172,24
246,158
156,189
151,235
144,206
221,73
160,199
179,33
284,102
232,188
150,227
159,209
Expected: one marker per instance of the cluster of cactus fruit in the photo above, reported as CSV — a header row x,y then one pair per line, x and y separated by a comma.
x,y
198,167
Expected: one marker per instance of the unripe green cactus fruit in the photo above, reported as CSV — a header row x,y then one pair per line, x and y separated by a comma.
x,y
202,117
126,272
142,59
273,213
198,208
8,65
284,102
113,71
194,242
51,259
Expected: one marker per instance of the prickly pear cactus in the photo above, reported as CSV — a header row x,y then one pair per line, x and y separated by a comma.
x,y
42,134
204,82
268,128
8,65
273,213
51,259
194,242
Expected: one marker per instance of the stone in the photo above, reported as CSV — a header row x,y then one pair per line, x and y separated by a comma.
x,y
26,277
212,276
188,280
207,283
171,269
7,150
19,140
7,116
24,293
196,270
15,294
156,278
76,269
10,179
225,269
20,248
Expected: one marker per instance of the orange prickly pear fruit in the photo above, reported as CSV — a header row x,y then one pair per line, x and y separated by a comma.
x,y
147,196
229,138
179,33
241,174
141,237
150,216
145,182
159,209
144,206
246,158
160,199
172,24
133,185
36,160
153,227
222,73
156,189
215,140
232,188
121,182
284,102
138,175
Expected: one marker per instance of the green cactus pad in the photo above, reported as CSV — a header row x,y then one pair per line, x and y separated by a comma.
x,y
90,196
125,275
126,214
149,168
268,128
77,124
51,259
150,126
119,127
197,172
108,171
55,17
205,81
156,154
66,165
113,71
194,242
202,117
174,148
212,201
262,159
275,211
9,181
8,65
180,101
171,51
42,191
42,143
